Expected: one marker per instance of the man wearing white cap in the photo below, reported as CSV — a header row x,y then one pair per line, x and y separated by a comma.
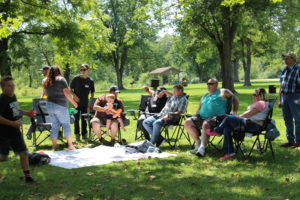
x,y
289,96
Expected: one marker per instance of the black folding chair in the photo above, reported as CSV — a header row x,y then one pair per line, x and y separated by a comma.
x,y
239,135
175,123
228,110
141,112
88,116
40,123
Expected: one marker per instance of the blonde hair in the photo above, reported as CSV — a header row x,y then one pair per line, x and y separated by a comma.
x,y
261,93
110,96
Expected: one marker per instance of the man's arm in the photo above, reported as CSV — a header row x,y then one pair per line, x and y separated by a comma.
x,y
167,93
14,124
236,104
199,107
98,108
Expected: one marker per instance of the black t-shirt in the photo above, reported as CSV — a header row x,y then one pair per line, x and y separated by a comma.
x,y
160,104
9,109
82,87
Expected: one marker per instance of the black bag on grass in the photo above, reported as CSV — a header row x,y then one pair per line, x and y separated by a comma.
x,y
38,159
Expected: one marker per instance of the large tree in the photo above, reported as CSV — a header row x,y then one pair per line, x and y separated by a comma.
x,y
219,21
131,23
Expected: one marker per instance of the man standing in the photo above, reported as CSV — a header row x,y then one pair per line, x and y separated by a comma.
x,y
177,104
289,95
82,86
212,104
10,134
44,71
101,116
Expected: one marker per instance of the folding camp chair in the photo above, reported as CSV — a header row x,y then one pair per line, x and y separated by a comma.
x,y
238,136
88,116
176,125
141,113
40,123
228,110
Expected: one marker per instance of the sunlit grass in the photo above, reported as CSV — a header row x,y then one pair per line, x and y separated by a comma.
x,y
182,177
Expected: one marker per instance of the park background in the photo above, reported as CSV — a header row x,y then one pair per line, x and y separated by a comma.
x,y
236,41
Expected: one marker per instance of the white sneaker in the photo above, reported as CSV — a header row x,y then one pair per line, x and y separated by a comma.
x,y
201,151
194,151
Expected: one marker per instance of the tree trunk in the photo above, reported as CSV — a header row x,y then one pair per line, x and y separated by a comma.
x,y
4,59
246,59
229,27
67,72
236,70
30,80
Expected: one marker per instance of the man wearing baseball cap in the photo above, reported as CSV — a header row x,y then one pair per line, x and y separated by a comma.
x,y
289,95
45,70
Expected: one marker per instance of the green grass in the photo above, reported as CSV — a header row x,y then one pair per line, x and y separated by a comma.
x,y
182,177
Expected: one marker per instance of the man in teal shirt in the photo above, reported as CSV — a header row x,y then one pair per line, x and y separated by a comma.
x,y
212,104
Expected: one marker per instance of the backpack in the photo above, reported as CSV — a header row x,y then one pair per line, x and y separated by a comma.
x,y
271,131
38,159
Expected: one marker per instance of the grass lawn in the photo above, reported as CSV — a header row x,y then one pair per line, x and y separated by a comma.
x,y
182,177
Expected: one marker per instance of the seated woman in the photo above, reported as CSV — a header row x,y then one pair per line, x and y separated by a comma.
x,y
249,121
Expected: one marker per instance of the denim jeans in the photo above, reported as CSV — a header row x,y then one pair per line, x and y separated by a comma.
x,y
153,125
59,116
81,110
228,125
291,115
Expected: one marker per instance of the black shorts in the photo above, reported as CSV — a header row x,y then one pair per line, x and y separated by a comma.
x,y
212,121
14,141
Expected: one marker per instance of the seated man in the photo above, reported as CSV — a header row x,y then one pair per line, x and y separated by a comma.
x,y
213,103
156,103
101,116
177,104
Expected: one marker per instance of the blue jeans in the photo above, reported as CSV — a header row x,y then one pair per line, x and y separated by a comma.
x,y
291,115
228,125
153,125
59,116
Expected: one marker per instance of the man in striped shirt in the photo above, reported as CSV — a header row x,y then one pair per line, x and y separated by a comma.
x,y
177,104
289,96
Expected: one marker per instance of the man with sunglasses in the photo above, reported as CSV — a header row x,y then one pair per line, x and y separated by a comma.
x,y
214,103
289,95
81,86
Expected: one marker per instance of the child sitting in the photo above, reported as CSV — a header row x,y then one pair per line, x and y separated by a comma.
x,y
112,113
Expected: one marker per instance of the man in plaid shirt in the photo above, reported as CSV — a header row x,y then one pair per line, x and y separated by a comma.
x,y
289,96
177,104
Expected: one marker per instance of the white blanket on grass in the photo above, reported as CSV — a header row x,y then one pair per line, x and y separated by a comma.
x,y
100,155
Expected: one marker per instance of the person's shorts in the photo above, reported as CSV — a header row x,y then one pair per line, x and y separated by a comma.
x,y
197,122
14,141
212,121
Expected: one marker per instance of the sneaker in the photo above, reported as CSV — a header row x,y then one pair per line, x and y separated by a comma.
x,y
77,137
194,151
201,151
30,180
228,156
212,133
112,142
160,142
288,144
105,142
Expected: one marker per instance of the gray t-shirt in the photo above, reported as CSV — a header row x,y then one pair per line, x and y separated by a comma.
x,y
55,92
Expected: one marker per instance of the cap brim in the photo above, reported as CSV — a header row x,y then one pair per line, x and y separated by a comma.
x,y
117,91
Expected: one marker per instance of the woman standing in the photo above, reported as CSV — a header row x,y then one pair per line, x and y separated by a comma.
x,y
58,94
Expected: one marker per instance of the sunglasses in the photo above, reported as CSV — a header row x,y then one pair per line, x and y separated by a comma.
x,y
210,83
82,70
255,95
